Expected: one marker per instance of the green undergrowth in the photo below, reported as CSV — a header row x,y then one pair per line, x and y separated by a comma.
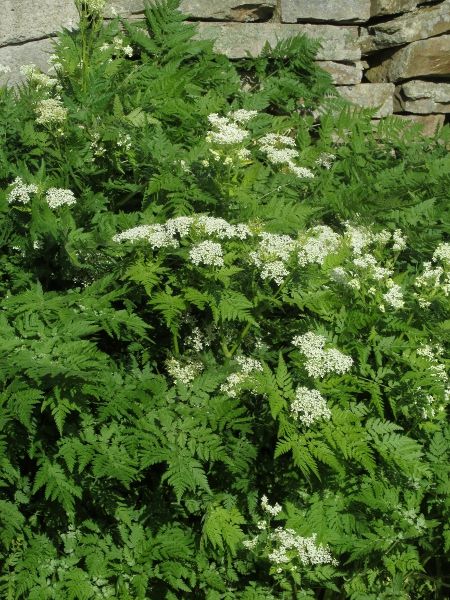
x,y
225,323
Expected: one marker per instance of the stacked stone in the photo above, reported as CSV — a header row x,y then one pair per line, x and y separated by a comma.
x,y
393,54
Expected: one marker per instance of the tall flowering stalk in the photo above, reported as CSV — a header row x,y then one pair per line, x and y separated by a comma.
x,y
91,21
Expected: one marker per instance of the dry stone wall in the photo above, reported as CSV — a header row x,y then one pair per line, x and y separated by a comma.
x,y
392,54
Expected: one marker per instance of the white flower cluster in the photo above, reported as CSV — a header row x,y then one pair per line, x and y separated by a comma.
x,y
51,110
95,6
431,353
431,277
197,340
272,252
204,224
319,242
326,160
241,115
399,240
21,191
358,237
121,49
280,149
124,141
305,549
272,510
309,406
163,236
226,129
36,78
320,361
58,197
207,253
4,69
235,380
394,296
442,252
156,235
183,372
250,544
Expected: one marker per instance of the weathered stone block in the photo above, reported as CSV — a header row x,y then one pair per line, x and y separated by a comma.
x,y
423,58
394,7
24,21
423,97
295,11
229,10
420,25
429,122
37,52
235,39
125,8
219,10
370,95
343,73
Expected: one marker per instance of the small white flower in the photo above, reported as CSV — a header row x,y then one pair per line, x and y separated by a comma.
x,y
272,510
325,159
320,361
442,252
394,297
58,197
318,243
399,240
51,110
21,191
275,270
250,544
242,115
309,406
4,69
207,253
184,372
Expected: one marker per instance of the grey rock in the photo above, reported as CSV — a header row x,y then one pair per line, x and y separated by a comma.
x,y
394,7
419,25
294,11
124,8
429,122
343,73
418,59
24,21
229,10
14,57
215,10
371,95
235,39
423,97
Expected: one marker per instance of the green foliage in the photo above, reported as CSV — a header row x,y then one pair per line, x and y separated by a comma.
x,y
214,299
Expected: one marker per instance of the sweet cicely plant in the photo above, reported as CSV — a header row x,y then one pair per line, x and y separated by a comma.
x,y
224,359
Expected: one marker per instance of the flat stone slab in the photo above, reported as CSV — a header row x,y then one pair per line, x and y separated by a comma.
x,y
424,58
348,11
371,95
229,10
419,25
24,21
423,97
37,52
429,122
394,7
343,73
235,39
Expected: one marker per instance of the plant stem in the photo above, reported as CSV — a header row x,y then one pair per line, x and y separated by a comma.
x,y
175,344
